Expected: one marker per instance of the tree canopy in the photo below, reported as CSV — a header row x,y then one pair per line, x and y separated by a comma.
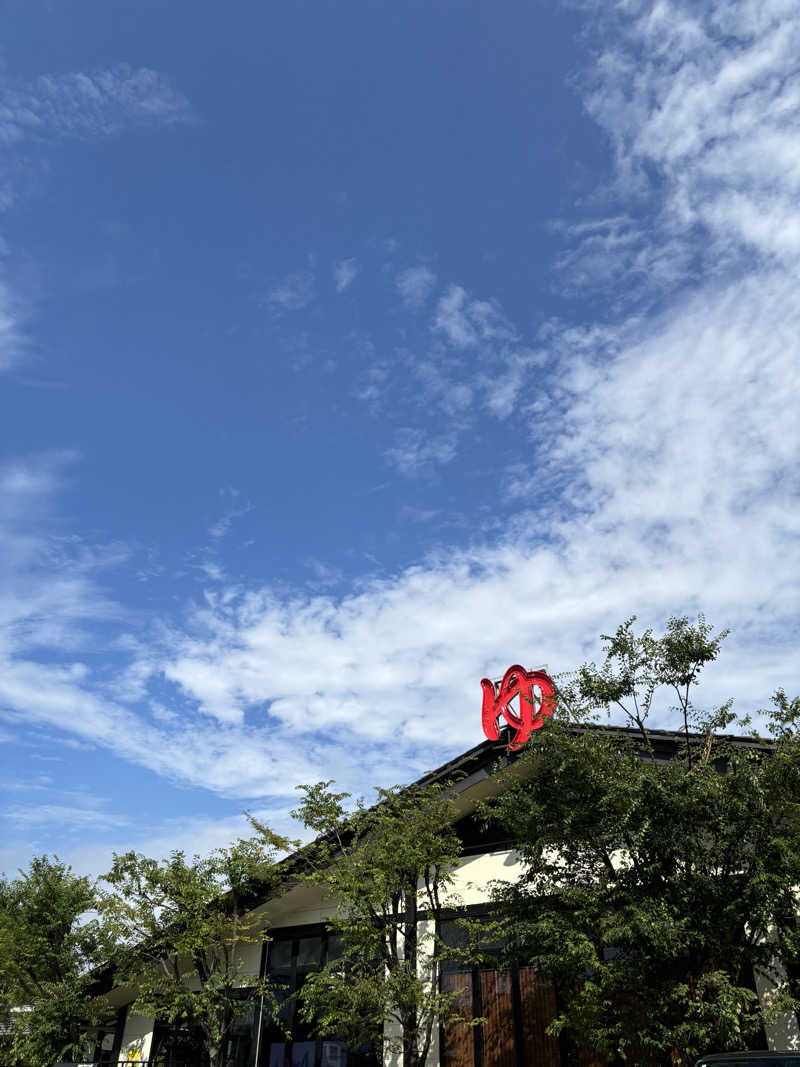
x,y
658,882
386,868
50,949
653,883
182,926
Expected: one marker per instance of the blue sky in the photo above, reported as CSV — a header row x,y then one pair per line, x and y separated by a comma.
x,y
351,352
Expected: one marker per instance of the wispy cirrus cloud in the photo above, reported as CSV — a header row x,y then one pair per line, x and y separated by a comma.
x,y
294,293
56,614
700,104
671,434
79,104
236,507
414,451
415,285
49,590
473,362
91,854
667,482
26,478
466,322
345,273
616,257
14,342
53,107
66,817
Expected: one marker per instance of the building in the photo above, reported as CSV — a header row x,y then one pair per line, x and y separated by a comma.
x,y
517,1004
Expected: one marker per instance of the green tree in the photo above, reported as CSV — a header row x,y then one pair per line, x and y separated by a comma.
x,y
654,882
183,925
387,868
50,949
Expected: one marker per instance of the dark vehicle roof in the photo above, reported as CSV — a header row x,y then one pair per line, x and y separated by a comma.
x,y
750,1059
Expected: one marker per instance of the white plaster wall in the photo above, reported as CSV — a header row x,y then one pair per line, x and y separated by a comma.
x,y
426,931
137,1038
248,958
783,1034
393,1057
472,879
300,905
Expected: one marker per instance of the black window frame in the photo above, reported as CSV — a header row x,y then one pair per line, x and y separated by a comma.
x,y
261,1028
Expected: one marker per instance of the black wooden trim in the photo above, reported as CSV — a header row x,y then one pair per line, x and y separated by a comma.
x,y
516,1001
477,1011
286,933
122,1019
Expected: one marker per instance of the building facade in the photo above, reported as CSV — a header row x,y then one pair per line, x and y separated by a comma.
x,y
516,1004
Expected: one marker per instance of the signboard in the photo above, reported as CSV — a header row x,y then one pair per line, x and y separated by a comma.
x,y
519,684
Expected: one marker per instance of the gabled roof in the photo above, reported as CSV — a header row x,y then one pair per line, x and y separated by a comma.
x,y
486,755
477,765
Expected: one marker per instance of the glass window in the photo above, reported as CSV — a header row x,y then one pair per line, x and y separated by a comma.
x,y
334,1054
277,1053
335,947
280,956
309,952
453,935
178,1046
304,1053
290,960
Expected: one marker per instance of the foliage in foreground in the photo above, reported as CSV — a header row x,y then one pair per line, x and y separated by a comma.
x,y
652,887
387,867
49,949
183,924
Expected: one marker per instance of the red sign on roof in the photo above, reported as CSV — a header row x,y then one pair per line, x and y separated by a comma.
x,y
520,684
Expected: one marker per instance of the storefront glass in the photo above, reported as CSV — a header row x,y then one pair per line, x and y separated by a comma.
x,y
291,957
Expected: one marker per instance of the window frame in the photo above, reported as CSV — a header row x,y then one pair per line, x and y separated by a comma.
x,y
280,935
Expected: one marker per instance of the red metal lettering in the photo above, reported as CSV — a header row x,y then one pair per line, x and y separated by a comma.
x,y
497,697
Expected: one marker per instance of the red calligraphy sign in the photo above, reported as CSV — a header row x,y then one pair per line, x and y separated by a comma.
x,y
498,697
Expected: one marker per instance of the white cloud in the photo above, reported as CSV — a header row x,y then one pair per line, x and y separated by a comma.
x,y
474,364
414,450
415,285
345,273
236,509
52,607
679,455
226,758
67,817
71,105
666,481
701,104
294,293
373,384
615,256
25,478
213,571
466,323
13,341
48,594
670,439
93,854
88,105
